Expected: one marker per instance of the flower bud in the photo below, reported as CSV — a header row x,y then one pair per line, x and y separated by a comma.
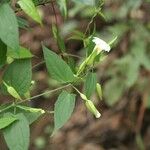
x,y
12,91
99,90
90,106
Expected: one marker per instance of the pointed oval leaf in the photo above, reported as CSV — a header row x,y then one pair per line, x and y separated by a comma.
x,y
59,39
17,135
57,68
29,8
22,53
9,33
90,84
6,121
18,75
63,109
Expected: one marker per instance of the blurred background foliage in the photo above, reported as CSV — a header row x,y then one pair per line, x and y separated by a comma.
x,y
128,64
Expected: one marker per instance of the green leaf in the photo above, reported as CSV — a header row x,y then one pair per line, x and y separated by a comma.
x,y
63,109
90,45
17,135
22,53
18,75
12,91
89,61
132,73
57,68
30,113
5,107
59,39
3,51
90,84
22,23
113,90
6,121
9,33
63,7
29,8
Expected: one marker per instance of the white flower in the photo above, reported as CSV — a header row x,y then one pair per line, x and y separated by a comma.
x,y
101,45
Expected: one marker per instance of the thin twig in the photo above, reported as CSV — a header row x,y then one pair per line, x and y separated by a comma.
x,y
141,113
38,64
92,20
39,95
53,7
72,55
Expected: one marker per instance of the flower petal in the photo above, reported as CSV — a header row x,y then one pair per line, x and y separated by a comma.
x,y
100,44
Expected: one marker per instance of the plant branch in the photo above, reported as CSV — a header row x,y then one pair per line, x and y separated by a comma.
x,y
53,7
39,95
71,55
38,64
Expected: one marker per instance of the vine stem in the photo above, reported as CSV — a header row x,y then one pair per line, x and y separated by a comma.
x,y
38,64
53,7
47,92
92,20
71,55
36,96
141,113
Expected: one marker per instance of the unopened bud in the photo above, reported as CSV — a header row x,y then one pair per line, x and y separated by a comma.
x,y
12,91
99,90
91,107
32,82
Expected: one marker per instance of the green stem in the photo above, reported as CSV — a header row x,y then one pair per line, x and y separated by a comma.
x,y
87,62
72,55
47,92
8,107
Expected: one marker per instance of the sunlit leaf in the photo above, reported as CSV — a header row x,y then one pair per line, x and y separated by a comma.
x,y
6,121
30,9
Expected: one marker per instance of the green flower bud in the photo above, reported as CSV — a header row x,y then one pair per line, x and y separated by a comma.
x,y
90,106
99,90
32,82
12,91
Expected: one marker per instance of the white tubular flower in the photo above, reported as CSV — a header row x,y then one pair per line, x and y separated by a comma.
x,y
101,45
